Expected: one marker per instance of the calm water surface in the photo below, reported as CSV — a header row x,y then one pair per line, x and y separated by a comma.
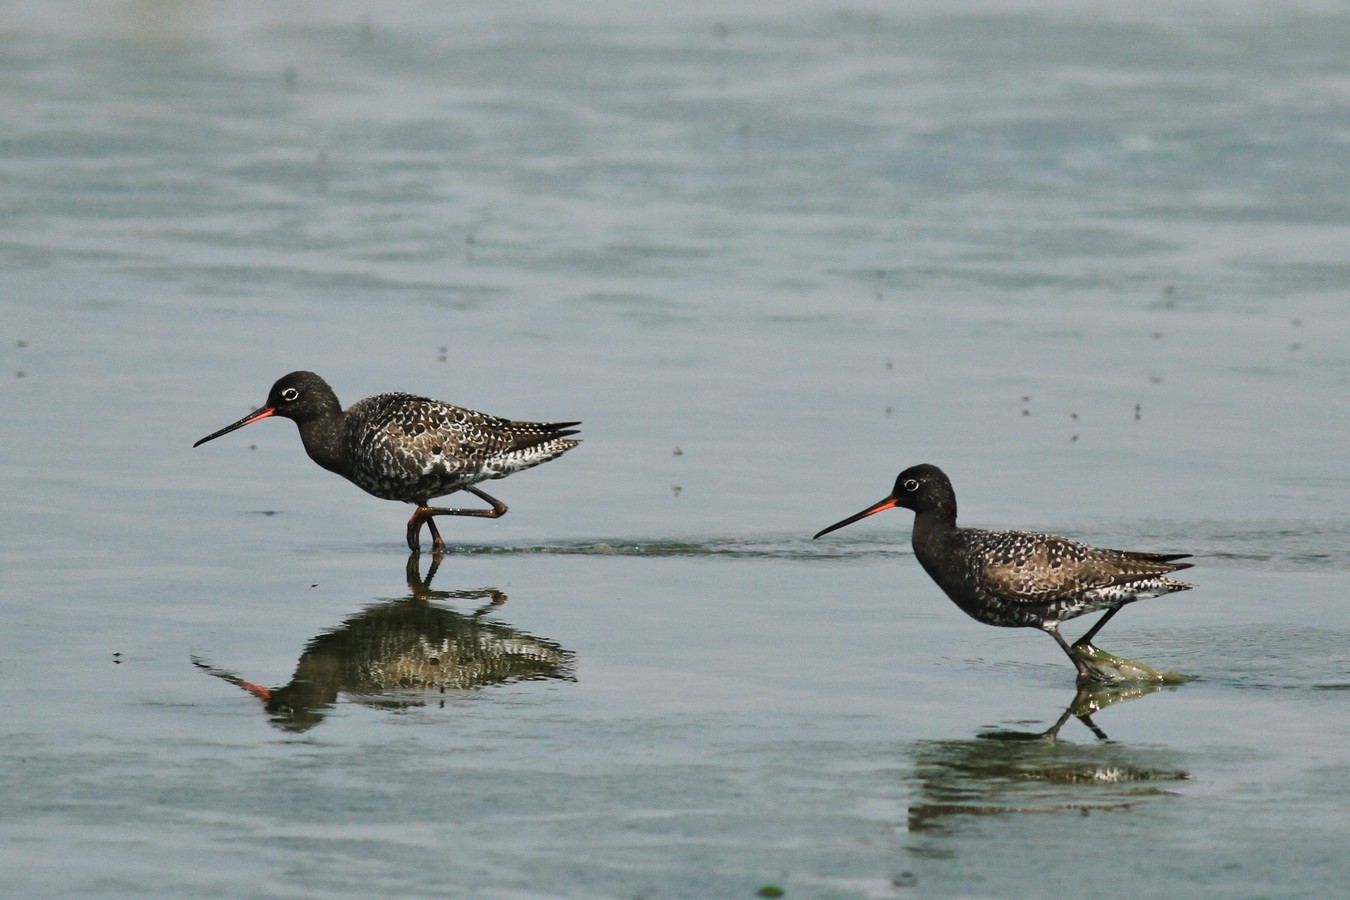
x,y
1093,264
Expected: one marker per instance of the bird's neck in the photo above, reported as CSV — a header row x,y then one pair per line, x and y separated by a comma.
x,y
322,438
930,527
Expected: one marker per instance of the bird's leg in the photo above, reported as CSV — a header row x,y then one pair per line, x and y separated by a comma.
x,y
424,513
420,587
414,526
1092,726
1086,639
1085,672
1096,665
437,545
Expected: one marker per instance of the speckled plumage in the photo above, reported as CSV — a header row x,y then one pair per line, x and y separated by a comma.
x,y
400,446
1022,578
1017,579
404,447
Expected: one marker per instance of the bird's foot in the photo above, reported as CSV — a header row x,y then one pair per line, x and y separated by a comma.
x,y
1093,697
423,514
1096,666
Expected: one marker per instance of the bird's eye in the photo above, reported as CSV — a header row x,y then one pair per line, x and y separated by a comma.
x,y
290,395
910,485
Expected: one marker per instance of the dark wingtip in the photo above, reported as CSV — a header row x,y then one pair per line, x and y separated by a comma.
x,y
1171,560
538,432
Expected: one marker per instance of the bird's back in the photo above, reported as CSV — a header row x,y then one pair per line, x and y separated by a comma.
x,y
1039,568
1017,578
406,447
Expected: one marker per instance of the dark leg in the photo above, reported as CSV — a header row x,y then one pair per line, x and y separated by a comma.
x,y
1085,673
1095,665
414,526
1092,632
424,513
419,586
437,545
1092,726
1083,714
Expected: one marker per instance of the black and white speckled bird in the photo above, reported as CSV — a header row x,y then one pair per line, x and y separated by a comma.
x,y
404,447
1017,579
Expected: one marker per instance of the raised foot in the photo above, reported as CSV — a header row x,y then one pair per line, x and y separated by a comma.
x,y
425,513
1096,666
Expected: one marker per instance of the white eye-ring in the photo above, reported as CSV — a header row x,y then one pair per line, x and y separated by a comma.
x,y
290,394
910,485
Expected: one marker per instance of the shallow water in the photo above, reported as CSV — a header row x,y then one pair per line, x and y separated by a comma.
x,y
1090,263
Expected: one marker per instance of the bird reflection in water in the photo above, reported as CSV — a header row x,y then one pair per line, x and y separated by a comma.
x,y
1003,772
391,653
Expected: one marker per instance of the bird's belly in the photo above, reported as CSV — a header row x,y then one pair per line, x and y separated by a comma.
x,y
1010,613
1000,612
981,604
411,486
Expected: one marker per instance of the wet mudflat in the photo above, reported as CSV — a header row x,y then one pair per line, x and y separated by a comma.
x,y
1090,264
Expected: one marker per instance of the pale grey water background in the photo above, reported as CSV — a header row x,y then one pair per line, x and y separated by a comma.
x,y
1091,261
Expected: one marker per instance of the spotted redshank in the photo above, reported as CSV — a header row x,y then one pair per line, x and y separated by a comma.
x,y
1022,579
404,447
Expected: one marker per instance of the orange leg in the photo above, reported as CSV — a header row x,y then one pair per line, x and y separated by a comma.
x,y
425,513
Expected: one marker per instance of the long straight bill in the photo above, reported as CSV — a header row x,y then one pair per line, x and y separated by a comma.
x,y
246,420
879,506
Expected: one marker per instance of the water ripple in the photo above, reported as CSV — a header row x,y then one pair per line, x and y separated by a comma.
x,y
1304,544
772,547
